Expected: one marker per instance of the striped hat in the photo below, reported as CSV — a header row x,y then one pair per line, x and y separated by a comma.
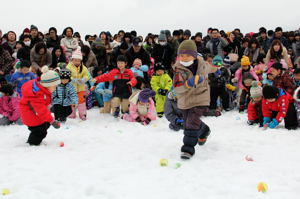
x,y
188,47
49,77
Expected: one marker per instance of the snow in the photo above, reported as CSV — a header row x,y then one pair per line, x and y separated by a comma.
x,y
107,158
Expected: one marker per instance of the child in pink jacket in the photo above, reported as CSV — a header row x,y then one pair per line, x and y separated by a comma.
x,y
9,107
142,107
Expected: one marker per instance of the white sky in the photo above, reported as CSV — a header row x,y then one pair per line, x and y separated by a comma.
x,y
94,16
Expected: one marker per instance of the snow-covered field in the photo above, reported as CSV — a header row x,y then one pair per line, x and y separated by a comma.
x,y
105,158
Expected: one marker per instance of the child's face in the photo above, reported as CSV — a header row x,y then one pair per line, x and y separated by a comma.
x,y
58,53
209,60
121,65
257,99
245,67
76,62
64,81
24,70
186,57
51,89
160,72
297,77
271,100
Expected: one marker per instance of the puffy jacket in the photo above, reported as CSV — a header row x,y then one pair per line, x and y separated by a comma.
x,y
239,76
19,79
65,95
140,71
76,74
105,92
34,104
219,80
9,107
254,110
171,110
281,106
120,87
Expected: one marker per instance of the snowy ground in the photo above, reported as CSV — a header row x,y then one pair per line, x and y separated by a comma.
x,y
104,158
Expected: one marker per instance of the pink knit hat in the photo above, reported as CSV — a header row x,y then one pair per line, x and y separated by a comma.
x,y
77,53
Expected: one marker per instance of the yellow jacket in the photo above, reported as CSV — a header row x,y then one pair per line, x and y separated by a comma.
x,y
75,74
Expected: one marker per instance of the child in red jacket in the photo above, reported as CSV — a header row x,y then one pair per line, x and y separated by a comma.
x,y
123,81
254,106
36,97
276,106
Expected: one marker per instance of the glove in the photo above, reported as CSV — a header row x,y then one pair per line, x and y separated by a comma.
x,y
230,87
195,80
162,91
179,122
218,73
56,124
250,122
267,120
273,124
146,122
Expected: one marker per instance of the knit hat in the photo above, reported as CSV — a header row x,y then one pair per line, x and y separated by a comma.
x,y
145,94
65,74
255,90
217,61
188,47
7,89
245,61
49,77
159,66
77,54
226,61
162,37
33,27
26,30
270,92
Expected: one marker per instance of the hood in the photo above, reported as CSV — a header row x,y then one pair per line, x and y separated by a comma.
x,y
30,89
297,95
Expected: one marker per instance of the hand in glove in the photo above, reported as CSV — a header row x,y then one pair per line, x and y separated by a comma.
x,y
273,124
195,80
179,122
55,124
162,91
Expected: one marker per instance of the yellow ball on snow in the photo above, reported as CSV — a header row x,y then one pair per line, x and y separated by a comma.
x,y
163,162
262,187
5,191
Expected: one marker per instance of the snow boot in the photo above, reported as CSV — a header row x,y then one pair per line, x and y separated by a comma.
x,y
205,133
117,112
82,111
185,156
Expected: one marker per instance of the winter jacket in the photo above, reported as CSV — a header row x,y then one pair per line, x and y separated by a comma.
x,y
297,103
142,55
252,54
76,74
100,56
219,80
239,76
55,60
259,69
90,60
163,54
6,62
222,43
24,53
281,106
19,79
106,92
139,72
284,56
34,104
264,44
120,87
9,107
70,44
285,81
9,48
296,49
199,95
38,61
254,110
65,95
51,43
134,112
171,110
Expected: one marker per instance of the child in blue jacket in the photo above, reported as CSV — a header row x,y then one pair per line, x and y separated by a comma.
x,y
105,89
64,97
22,76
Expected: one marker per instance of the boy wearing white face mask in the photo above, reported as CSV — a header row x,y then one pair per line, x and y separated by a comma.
x,y
24,52
193,95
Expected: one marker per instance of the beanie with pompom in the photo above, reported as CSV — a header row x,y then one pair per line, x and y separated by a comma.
x,y
49,78
256,90
77,54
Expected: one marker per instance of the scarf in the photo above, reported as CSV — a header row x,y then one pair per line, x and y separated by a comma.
x,y
215,42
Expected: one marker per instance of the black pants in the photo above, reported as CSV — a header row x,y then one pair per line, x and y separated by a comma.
x,y
221,92
61,112
290,120
244,98
194,128
38,133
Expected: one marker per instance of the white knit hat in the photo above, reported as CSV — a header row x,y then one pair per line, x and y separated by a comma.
x,y
77,54
49,77
256,90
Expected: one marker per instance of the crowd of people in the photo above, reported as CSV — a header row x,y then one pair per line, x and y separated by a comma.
x,y
180,76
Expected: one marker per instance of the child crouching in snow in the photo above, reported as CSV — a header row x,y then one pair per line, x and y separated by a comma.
x,y
276,106
105,89
36,97
142,108
64,97
172,112
297,103
9,106
255,106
